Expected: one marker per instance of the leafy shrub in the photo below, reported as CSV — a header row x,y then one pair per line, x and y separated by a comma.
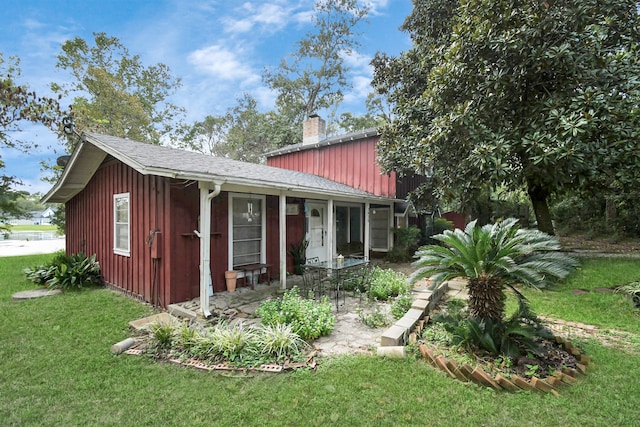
x,y
309,319
511,337
407,240
188,339
163,334
401,304
437,333
67,272
632,290
440,224
387,284
373,317
298,251
235,344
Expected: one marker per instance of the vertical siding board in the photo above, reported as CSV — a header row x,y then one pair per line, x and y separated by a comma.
x,y
140,274
164,220
90,219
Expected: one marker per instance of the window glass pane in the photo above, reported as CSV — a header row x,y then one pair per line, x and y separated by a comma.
x,y
355,225
243,232
380,228
247,230
122,237
121,222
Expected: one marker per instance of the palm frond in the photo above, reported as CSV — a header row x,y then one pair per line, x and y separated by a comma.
x,y
501,252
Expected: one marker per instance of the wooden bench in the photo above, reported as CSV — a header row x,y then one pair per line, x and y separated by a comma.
x,y
254,269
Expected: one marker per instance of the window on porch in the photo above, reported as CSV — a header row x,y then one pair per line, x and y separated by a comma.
x,y
247,230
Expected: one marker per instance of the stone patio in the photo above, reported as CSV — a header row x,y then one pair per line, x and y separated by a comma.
x,y
349,335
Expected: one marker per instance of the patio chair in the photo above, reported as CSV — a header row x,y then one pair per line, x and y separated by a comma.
x,y
314,283
358,280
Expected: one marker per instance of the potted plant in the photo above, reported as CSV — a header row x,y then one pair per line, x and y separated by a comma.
x,y
298,252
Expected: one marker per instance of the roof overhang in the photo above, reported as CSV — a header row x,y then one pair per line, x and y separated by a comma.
x,y
91,152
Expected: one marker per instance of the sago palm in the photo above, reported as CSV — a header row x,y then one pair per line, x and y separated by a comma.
x,y
492,258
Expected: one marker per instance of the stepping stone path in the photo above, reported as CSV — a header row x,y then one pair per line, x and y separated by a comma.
x,y
35,293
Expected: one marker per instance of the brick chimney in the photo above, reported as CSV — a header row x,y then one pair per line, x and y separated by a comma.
x,y
314,130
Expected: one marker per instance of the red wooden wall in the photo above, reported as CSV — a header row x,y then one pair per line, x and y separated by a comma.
x,y
172,208
89,229
353,163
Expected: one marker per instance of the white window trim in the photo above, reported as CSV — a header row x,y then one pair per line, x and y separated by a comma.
x,y
263,223
116,250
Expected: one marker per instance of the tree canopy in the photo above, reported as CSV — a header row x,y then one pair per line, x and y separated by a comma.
x,y
541,95
242,133
19,104
115,93
313,77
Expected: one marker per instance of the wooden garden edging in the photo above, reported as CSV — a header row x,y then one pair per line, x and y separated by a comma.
x,y
551,384
407,329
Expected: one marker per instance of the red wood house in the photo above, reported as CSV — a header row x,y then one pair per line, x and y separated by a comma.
x,y
166,224
351,159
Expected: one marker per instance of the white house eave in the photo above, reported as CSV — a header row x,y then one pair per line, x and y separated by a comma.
x,y
69,185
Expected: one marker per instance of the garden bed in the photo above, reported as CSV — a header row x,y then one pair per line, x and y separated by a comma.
x,y
558,363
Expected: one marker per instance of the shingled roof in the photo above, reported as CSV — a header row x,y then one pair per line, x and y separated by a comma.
x,y
180,164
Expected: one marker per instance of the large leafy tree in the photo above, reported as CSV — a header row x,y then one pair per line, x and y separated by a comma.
x,y
313,77
115,93
19,104
541,95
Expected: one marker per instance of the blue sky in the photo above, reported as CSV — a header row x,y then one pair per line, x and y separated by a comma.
x,y
218,48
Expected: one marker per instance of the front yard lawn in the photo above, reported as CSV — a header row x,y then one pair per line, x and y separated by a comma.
x,y
56,369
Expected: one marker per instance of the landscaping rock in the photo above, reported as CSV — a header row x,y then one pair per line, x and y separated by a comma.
x,y
35,293
122,346
395,352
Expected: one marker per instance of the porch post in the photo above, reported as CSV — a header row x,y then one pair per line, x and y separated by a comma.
x,y
282,216
367,230
330,230
205,243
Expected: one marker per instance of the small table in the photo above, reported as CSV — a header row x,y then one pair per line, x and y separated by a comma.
x,y
335,268
255,269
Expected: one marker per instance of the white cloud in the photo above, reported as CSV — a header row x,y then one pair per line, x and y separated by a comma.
x,y
361,88
357,61
375,6
269,17
224,63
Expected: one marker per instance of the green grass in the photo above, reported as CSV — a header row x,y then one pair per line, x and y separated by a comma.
x,y
56,369
605,310
33,227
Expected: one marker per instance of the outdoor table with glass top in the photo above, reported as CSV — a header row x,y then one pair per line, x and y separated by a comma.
x,y
334,271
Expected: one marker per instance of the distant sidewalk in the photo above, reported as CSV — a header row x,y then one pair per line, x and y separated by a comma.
x,y
30,247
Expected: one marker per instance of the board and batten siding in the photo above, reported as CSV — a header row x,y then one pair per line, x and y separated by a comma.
x,y
353,163
90,227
